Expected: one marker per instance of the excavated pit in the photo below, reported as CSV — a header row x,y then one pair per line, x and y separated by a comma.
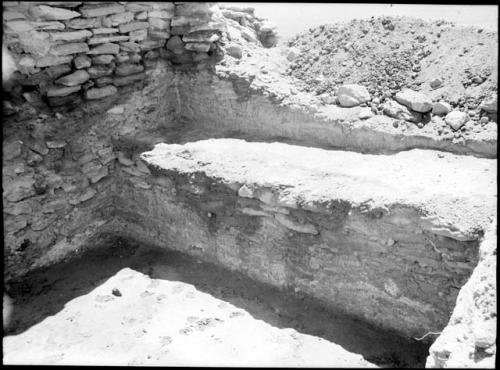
x,y
46,291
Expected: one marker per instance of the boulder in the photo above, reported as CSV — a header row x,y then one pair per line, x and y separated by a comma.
x,y
50,13
352,95
414,100
441,108
235,51
398,111
99,93
489,105
456,119
435,83
292,54
74,79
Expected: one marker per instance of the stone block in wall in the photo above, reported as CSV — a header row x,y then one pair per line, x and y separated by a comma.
x,y
198,57
18,26
48,25
18,189
176,45
139,35
82,61
70,36
128,69
151,44
50,13
100,92
122,57
133,26
159,35
198,46
127,80
179,30
103,59
142,16
10,15
130,47
57,101
104,31
62,91
7,4
152,54
135,58
26,65
117,19
164,6
162,14
196,9
100,71
12,150
179,21
107,48
100,10
209,26
103,81
53,60
159,23
72,48
203,36
36,43
64,4
74,79
83,23
138,7
106,39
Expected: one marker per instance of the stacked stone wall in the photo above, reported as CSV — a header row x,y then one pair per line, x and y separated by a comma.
x,y
66,53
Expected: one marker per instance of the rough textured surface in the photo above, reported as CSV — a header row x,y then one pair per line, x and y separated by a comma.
x,y
284,215
162,322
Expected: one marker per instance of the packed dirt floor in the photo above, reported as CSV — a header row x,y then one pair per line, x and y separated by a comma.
x,y
229,317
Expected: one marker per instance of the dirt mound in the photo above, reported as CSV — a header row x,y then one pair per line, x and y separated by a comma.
x,y
385,54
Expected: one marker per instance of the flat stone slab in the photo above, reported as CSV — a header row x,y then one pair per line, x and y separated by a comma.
x,y
455,195
163,322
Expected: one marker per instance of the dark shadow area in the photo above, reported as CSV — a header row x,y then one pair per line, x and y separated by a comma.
x,y
44,292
